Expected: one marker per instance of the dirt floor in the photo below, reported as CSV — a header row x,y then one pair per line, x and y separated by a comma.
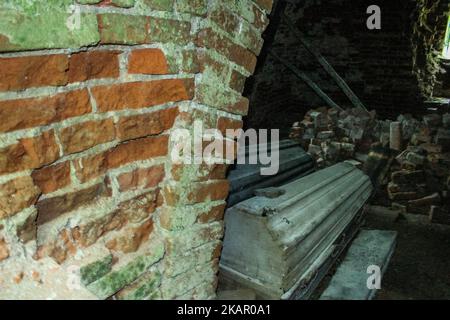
x,y
420,266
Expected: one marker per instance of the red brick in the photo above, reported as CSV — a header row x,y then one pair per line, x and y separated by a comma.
x,y
146,124
142,94
51,208
26,113
225,19
85,135
34,71
215,214
52,178
210,39
226,123
147,61
132,238
136,150
141,178
30,153
204,172
240,107
93,65
265,4
4,250
90,167
237,81
17,195
260,19
197,193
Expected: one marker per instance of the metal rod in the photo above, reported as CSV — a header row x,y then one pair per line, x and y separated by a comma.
x,y
328,68
308,81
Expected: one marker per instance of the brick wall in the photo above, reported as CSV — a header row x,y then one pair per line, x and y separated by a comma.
x,y
90,91
392,70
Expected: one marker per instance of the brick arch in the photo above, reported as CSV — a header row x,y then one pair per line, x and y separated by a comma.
x,y
89,94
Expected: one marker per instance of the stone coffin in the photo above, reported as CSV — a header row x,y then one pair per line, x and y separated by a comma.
x,y
246,178
276,245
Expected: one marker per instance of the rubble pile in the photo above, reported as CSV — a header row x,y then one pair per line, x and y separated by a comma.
x,y
417,174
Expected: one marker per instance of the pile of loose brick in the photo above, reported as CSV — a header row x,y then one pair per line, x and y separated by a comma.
x,y
417,173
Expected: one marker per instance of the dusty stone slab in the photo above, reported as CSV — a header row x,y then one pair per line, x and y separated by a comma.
x,y
371,247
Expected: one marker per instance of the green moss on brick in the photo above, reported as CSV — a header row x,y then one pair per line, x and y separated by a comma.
x,y
143,288
196,7
124,3
26,25
96,270
89,1
118,279
161,5
123,29
181,60
173,31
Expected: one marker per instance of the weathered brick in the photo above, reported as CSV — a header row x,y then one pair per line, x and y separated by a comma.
x,y
142,289
95,270
127,274
45,25
142,94
147,61
169,31
237,81
225,19
225,100
265,4
51,208
173,287
214,214
35,71
183,61
4,250
204,291
93,65
162,5
123,3
59,249
120,29
209,39
17,195
211,69
225,124
26,229
198,173
141,178
136,150
196,7
52,178
197,193
191,258
135,210
186,240
29,153
132,238
85,135
240,107
140,208
181,218
139,126
26,113
90,167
